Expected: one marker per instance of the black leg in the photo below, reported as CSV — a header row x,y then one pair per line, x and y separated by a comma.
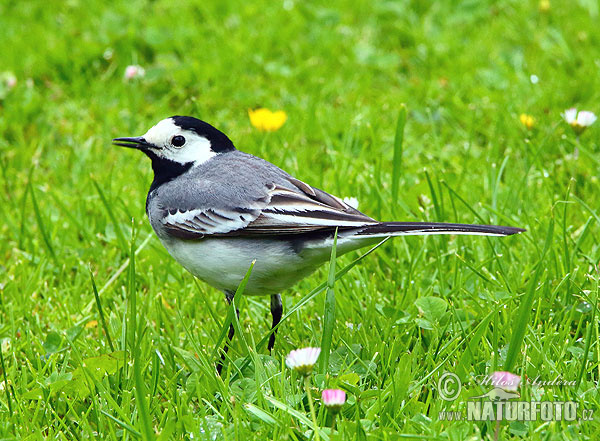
x,y
276,312
229,297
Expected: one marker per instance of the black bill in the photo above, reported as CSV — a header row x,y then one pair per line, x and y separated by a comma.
x,y
136,142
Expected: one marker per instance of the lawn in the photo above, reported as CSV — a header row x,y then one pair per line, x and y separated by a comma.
x,y
104,335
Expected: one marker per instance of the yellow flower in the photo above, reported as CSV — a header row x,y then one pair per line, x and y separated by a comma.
x,y
527,120
266,120
544,5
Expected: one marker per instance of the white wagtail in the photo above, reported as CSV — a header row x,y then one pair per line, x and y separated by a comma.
x,y
216,209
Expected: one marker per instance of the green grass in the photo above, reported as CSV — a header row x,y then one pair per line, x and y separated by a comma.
x,y
143,365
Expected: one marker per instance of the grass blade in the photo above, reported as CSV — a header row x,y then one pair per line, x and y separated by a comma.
x,y
123,424
232,308
117,273
398,141
434,198
40,222
294,413
136,336
22,208
231,315
262,414
329,313
522,319
101,313
140,398
6,387
588,336
111,215
461,199
131,292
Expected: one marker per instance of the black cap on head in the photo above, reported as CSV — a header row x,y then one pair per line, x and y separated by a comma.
x,y
218,140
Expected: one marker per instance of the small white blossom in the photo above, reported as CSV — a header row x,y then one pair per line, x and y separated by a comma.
x,y
303,360
570,115
134,71
534,79
11,81
352,201
578,121
586,118
5,345
3,385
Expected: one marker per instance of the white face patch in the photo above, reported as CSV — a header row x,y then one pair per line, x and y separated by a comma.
x,y
196,149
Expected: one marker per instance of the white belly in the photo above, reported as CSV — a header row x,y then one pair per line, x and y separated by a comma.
x,y
223,263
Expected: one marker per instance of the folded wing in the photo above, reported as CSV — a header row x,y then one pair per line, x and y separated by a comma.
x,y
281,209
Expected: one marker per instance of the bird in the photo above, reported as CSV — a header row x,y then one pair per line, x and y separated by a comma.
x,y
217,210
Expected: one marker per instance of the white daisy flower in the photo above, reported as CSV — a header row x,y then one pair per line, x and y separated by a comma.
x,y
134,71
303,360
586,118
579,121
333,399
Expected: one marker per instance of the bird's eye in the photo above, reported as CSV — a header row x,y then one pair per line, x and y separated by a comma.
x,y
178,141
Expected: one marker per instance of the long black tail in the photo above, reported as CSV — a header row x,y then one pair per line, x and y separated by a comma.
x,y
423,228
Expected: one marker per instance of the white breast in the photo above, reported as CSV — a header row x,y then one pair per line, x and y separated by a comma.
x,y
223,262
